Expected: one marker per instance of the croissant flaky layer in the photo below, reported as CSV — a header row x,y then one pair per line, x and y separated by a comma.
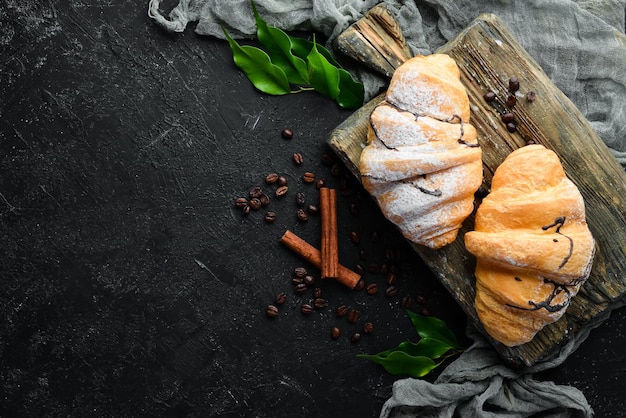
x,y
422,162
532,245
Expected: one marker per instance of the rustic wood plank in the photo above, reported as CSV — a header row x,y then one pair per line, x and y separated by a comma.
x,y
488,55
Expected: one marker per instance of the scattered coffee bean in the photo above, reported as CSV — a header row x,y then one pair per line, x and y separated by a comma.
x,y
309,280
300,272
246,210
353,209
297,280
308,177
373,268
272,311
320,183
531,96
384,268
421,299
360,285
390,254
255,203
265,199
425,311
313,209
302,215
490,96
358,269
306,309
298,158
355,338
341,310
511,127
335,333
271,178
287,133
281,298
362,255
354,237
390,278
320,303
406,301
255,192
353,316
368,328
513,84
270,217
391,292
511,101
317,292
241,202
371,289
282,181
281,191
508,117
300,199
300,289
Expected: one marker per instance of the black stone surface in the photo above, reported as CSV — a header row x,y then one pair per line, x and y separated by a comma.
x,y
131,285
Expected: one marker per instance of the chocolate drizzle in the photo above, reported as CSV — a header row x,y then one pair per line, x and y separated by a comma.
x,y
559,222
547,303
461,140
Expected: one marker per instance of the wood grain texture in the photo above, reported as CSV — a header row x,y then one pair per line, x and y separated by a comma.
x,y
488,56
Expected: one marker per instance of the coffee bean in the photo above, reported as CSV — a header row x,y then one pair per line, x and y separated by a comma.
x,y
320,183
425,311
335,333
511,127
306,309
281,298
390,255
255,203
309,280
297,280
300,289
287,133
490,96
368,328
513,84
353,209
320,303
384,268
256,191
270,217
336,169
390,278
358,269
362,255
298,158
360,285
531,96
271,178
406,301
302,215
308,177
313,209
241,202
511,101
371,289
355,338
272,311
341,310
353,316
281,191
282,181
300,199
246,210
354,237
317,292
374,268
265,199
421,299
391,292
508,117
300,272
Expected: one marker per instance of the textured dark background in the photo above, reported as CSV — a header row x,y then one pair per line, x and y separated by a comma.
x,y
131,286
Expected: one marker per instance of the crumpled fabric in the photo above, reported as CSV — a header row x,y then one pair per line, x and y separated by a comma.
x,y
582,48
579,44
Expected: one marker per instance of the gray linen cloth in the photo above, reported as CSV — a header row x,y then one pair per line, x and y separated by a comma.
x,y
582,48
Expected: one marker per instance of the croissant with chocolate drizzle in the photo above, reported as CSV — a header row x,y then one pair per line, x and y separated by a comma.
x,y
532,245
422,162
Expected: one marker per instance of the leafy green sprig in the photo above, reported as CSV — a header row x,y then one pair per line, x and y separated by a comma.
x,y
291,61
437,343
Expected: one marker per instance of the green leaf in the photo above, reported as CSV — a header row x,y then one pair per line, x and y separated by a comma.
x,y
258,67
323,76
401,363
302,47
279,47
351,93
426,347
433,328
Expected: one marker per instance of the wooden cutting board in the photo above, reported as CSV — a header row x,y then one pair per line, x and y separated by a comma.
x,y
488,55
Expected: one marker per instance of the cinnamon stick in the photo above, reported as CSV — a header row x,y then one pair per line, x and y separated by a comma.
x,y
311,254
329,238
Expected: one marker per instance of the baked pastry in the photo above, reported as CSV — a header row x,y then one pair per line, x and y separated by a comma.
x,y
422,162
532,245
